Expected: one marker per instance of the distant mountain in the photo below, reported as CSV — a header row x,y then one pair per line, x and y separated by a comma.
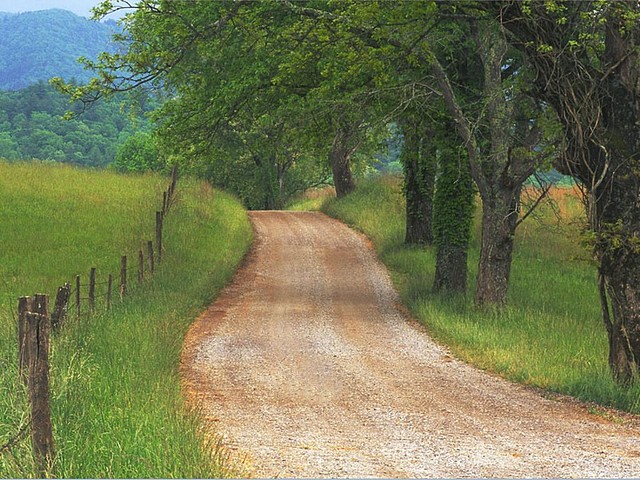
x,y
39,45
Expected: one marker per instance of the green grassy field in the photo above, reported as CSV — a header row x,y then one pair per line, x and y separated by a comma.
x,y
551,336
117,409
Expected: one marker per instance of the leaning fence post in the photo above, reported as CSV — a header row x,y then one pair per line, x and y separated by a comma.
x,y
92,290
109,285
60,308
78,295
123,276
140,266
38,384
24,306
159,235
150,255
174,178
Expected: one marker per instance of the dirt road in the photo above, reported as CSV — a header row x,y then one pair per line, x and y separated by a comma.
x,y
307,368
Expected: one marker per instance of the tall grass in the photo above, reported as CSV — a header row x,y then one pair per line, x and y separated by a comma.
x,y
117,409
550,336
57,221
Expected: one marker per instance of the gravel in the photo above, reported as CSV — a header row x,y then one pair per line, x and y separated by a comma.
x,y
307,367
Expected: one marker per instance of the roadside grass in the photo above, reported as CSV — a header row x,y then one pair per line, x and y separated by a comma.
x,y
311,199
550,336
117,408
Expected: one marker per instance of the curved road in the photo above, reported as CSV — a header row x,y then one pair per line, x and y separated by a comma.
x,y
307,368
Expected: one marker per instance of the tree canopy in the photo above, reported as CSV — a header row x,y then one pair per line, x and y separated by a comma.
x,y
273,88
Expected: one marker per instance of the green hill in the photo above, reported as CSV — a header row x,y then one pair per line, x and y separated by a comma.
x,y
47,43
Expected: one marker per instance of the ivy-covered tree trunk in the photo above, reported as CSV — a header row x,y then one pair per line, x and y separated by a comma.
x,y
452,217
499,220
418,164
340,160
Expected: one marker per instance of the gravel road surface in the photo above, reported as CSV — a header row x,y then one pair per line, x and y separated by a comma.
x,y
307,367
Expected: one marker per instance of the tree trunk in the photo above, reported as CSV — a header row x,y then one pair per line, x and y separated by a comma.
x,y
453,206
451,269
339,158
616,221
419,178
499,221
623,358
622,321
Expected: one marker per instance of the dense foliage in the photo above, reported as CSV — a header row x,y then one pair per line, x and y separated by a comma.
x,y
40,45
31,126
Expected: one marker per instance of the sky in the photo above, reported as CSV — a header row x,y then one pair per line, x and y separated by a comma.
x,y
79,7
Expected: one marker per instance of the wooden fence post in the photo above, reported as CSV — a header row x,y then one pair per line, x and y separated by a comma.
x,y
24,307
38,385
41,304
165,203
60,308
123,276
150,255
174,179
159,235
92,290
78,295
140,266
109,286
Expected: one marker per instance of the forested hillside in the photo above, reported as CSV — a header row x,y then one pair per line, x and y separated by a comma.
x,y
31,126
56,39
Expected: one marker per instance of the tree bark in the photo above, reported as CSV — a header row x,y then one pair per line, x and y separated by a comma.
x,y
451,269
419,179
615,218
340,160
499,221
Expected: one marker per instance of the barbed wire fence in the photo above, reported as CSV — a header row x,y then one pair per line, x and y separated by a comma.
x,y
36,320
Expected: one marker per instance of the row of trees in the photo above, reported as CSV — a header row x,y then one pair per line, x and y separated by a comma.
x,y
485,93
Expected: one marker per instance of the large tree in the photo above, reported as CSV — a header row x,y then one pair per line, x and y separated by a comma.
x,y
587,66
502,139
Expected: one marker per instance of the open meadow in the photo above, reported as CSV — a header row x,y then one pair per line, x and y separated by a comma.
x,y
116,405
